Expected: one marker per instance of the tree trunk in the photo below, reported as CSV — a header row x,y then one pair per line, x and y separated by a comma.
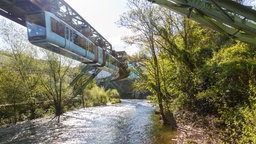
x,y
15,113
32,111
83,101
161,107
158,83
59,102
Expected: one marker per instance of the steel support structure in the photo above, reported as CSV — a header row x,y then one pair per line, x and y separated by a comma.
x,y
226,16
82,73
93,75
106,81
115,85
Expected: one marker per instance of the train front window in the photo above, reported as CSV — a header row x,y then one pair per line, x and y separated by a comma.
x,y
36,26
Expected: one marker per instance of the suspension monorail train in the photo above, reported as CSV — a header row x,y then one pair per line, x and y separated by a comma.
x,y
49,32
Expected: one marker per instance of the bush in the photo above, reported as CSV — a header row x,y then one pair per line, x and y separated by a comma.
x,y
98,96
114,96
113,93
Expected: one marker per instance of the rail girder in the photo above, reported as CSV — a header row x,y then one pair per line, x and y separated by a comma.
x,y
226,16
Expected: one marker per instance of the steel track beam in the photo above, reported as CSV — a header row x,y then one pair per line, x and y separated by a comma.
x,y
16,10
12,17
215,11
237,8
200,16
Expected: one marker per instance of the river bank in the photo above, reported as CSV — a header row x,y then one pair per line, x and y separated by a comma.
x,y
200,131
189,134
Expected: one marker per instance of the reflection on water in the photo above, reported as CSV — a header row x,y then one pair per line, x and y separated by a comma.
x,y
127,123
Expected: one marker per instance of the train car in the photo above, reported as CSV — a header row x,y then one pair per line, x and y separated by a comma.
x,y
49,32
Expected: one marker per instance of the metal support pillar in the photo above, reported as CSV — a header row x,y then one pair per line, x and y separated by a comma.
x,y
114,84
83,72
96,72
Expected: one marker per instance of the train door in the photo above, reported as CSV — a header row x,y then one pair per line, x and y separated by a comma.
x,y
56,31
68,37
101,57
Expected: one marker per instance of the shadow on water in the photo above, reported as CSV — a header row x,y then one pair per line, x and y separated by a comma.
x,y
161,134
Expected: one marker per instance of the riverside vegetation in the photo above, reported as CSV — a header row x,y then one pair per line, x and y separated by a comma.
x,y
35,83
201,79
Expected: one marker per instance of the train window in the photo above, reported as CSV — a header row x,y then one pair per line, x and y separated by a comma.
x,y
91,47
101,56
58,27
75,38
36,26
70,35
83,43
78,40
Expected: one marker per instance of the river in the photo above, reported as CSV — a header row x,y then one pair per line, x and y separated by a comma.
x,y
129,122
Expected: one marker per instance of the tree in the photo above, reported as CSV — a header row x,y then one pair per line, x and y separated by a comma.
x,y
140,19
56,81
20,70
231,75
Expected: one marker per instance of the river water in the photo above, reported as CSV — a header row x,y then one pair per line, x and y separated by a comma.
x,y
129,122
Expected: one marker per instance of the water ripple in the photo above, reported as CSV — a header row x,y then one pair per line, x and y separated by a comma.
x,y
126,123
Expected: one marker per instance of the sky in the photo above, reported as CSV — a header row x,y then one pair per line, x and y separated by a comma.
x,y
103,16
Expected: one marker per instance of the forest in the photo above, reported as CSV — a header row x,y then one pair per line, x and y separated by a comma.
x,y
35,82
196,75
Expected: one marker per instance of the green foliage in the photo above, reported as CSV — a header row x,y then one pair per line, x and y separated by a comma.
x,y
29,92
97,96
197,70
31,87
113,93
114,96
153,99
